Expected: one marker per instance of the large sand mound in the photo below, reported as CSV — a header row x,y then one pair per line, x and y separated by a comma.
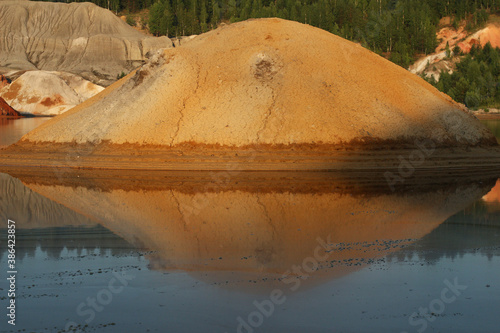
x,y
266,81
277,87
79,38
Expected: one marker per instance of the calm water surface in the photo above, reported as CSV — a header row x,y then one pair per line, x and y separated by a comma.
x,y
163,252
11,130
494,126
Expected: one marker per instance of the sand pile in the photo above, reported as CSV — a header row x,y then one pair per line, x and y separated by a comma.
x,y
266,81
48,93
6,110
79,38
266,84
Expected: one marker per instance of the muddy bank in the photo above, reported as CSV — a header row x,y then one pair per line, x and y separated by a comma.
x,y
423,155
486,116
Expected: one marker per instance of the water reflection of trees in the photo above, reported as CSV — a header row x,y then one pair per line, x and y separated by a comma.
x,y
475,230
53,241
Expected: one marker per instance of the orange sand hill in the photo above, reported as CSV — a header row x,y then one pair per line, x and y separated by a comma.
x,y
265,81
6,110
266,84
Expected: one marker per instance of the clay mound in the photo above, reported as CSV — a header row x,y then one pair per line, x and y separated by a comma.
x,y
267,82
6,110
79,38
48,93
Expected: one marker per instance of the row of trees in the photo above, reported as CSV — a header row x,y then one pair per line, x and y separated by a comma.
x,y
399,29
115,5
475,80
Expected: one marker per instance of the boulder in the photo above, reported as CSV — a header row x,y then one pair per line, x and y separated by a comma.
x,y
79,38
48,93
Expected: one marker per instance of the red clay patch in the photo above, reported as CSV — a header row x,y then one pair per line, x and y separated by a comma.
x,y
56,100
6,110
12,91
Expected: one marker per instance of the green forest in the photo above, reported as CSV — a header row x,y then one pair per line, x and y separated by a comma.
x,y
475,80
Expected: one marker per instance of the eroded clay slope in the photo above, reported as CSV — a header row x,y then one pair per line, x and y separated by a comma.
x,y
79,38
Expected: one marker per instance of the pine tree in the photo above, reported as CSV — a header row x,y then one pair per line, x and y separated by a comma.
x,y
155,18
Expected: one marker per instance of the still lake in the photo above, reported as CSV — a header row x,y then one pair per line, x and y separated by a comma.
x,y
231,252
11,130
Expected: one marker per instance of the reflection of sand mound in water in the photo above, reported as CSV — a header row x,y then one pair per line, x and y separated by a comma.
x,y
31,210
494,194
248,233
493,199
266,82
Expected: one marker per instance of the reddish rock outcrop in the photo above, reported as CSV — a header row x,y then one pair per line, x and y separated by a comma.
x,y
3,81
6,110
